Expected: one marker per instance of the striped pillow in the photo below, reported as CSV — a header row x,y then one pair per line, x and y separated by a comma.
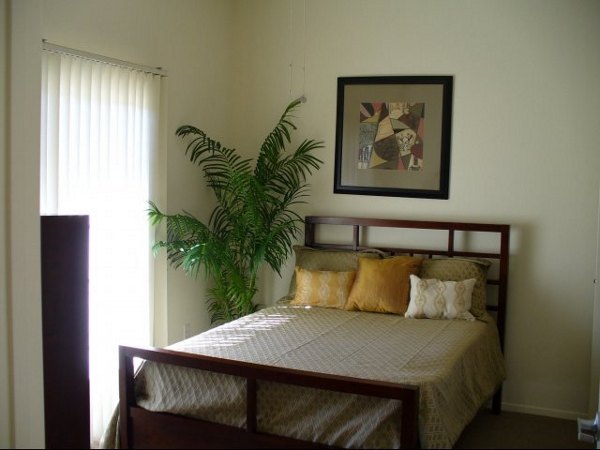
x,y
322,288
457,269
436,299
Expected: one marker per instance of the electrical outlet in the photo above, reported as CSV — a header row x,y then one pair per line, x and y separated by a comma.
x,y
187,330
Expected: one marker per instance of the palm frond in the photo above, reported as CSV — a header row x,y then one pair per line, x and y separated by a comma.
x,y
274,143
253,221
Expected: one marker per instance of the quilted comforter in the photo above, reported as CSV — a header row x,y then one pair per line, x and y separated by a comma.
x,y
457,364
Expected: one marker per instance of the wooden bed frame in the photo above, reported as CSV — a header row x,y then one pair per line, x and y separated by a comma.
x,y
139,428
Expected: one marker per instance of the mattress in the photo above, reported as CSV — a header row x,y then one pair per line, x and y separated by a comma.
x,y
458,365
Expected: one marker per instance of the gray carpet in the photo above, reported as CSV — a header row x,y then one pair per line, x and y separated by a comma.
x,y
515,430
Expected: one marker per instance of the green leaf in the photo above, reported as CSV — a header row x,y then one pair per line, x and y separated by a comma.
x,y
253,222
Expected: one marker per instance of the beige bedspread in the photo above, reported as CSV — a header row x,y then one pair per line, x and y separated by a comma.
x,y
457,364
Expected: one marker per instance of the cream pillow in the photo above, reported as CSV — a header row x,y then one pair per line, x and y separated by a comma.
x,y
458,269
322,288
382,285
436,299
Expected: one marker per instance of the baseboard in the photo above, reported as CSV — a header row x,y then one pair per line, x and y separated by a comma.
x,y
535,410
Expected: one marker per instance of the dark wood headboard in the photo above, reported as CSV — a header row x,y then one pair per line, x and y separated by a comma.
x,y
449,249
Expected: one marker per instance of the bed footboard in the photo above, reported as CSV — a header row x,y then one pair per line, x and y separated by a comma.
x,y
139,428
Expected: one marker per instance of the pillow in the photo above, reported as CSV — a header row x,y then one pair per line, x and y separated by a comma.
x,y
383,285
285,300
328,259
436,299
322,288
458,269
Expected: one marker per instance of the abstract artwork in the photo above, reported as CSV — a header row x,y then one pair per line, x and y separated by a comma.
x,y
393,136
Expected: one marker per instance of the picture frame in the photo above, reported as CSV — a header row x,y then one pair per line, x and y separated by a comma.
x,y
393,136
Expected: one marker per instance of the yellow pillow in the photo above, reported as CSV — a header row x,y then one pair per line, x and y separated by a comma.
x,y
335,260
322,288
383,285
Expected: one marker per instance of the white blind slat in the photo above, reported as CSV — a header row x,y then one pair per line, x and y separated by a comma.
x,y
95,152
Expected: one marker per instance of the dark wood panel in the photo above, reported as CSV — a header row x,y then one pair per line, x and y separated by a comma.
x,y
145,429
64,246
161,430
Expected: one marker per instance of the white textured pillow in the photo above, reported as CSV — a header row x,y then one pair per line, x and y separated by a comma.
x,y
435,299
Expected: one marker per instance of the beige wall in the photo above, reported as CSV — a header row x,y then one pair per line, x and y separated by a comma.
x,y
191,41
525,145
23,224
5,409
524,148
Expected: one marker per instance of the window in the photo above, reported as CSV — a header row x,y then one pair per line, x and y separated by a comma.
x,y
99,137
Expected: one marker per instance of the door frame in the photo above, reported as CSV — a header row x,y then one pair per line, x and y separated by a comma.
x,y
594,401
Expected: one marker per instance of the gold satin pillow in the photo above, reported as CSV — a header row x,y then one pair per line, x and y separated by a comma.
x,y
383,285
322,288
328,259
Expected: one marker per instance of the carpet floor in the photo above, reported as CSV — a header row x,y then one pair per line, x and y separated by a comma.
x,y
516,430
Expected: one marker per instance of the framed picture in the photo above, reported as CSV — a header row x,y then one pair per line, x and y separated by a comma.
x,y
393,136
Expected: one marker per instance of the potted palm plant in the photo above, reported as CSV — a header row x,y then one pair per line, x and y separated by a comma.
x,y
254,221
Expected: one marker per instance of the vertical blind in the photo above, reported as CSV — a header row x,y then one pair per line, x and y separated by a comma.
x,y
99,132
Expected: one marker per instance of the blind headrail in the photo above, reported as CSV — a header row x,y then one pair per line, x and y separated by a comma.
x,y
47,46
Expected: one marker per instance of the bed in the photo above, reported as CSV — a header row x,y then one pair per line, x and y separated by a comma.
x,y
299,375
